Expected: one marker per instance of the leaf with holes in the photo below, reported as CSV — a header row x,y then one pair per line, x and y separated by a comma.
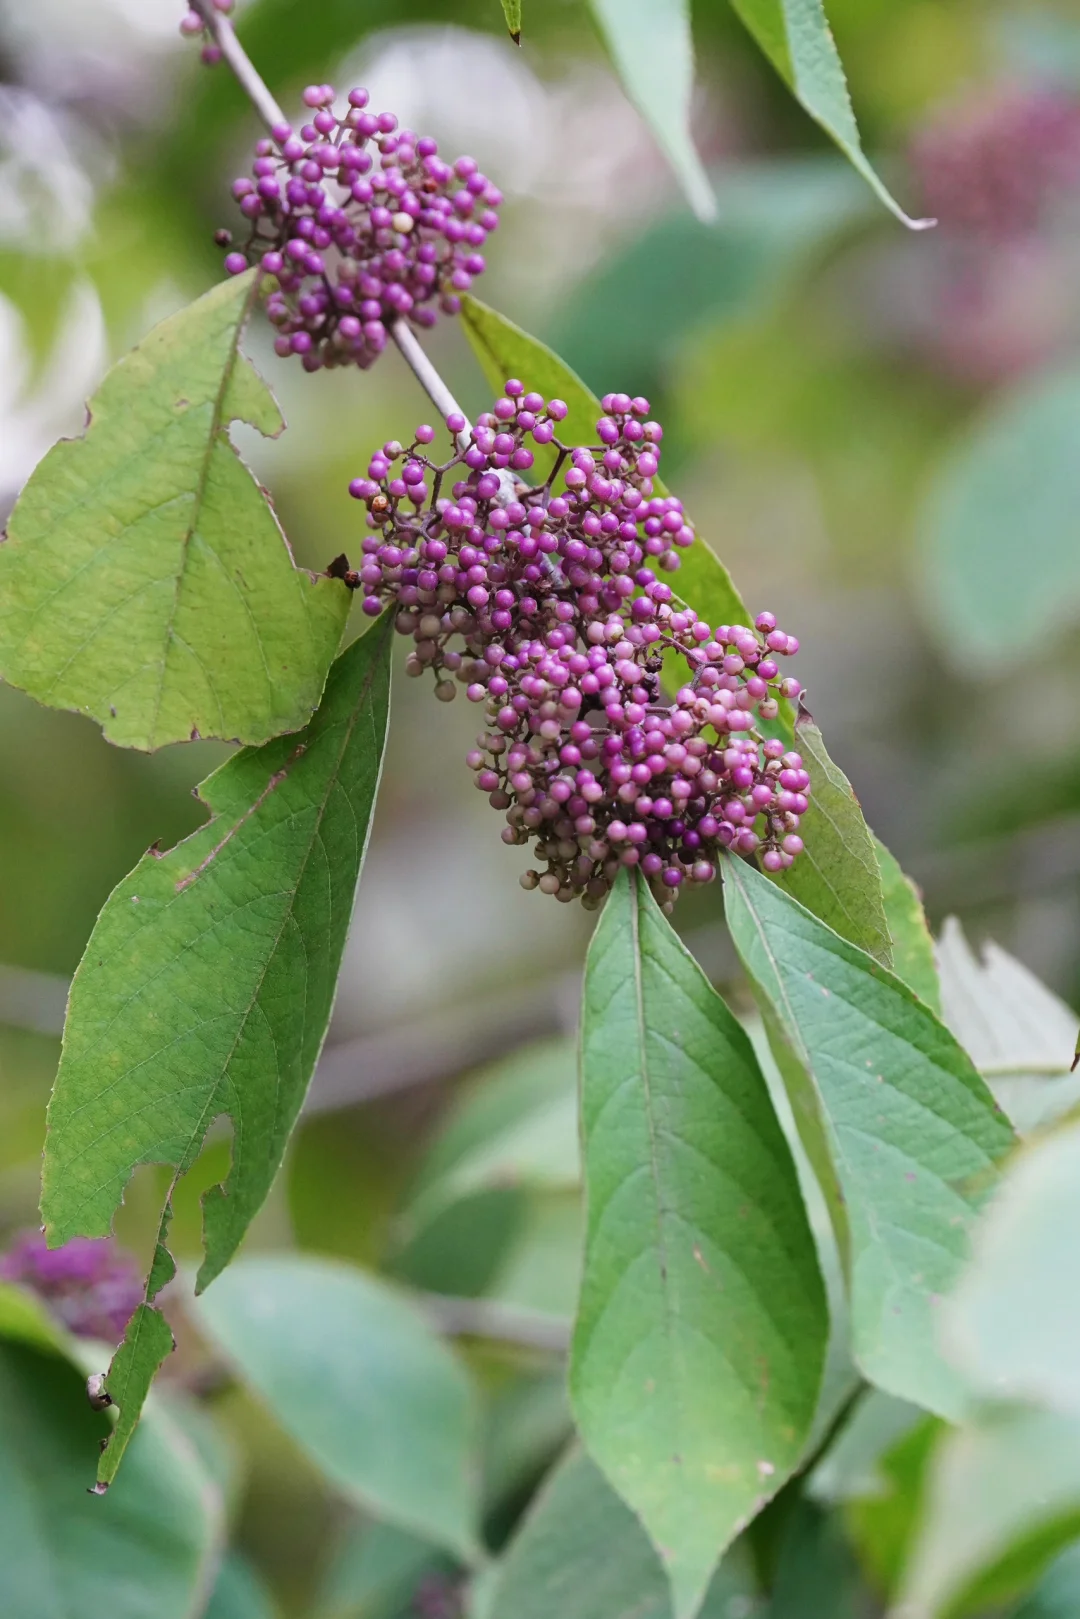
x,y
144,579
702,1325
837,876
796,37
504,351
895,1118
207,986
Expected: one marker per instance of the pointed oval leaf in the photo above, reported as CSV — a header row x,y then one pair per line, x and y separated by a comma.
x,y
702,1325
504,351
837,876
207,986
581,1554
653,52
796,37
912,944
354,1373
144,579
912,1136
149,1548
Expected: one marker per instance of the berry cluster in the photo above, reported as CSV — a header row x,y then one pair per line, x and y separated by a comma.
x,y
361,223
544,603
192,26
89,1284
994,166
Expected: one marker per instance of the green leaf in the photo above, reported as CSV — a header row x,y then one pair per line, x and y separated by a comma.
x,y
207,985
1016,1031
837,875
148,1549
796,37
239,1593
851,1467
653,52
912,945
581,1554
1015,472
374,1573
1013,1322
504,351
1057,1595
144,579
147,1342
515,1124
895,1117
1003,1498
512,13
353,1373
817,1576
701,1330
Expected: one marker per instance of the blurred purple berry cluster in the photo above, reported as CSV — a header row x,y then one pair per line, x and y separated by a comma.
x,y
192,26
992,167
90,1285
543,602
360,223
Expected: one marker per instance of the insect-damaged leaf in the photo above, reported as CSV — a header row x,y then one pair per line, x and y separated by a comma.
x,y
702,1326
144,579
902,1131
207,984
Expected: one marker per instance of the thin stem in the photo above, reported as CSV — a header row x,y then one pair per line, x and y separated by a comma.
x,y
246,73
262,99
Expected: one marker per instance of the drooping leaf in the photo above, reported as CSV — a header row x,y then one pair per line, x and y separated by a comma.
x,y
893,1111
837,876
796,38
653,52
144,579
581,1554
1011,1326
512,13
148,1549
702,1325
353,1372
148,1340
1015,472
504,351
912,944
1003,1498
515,1124
1016,1031
207,985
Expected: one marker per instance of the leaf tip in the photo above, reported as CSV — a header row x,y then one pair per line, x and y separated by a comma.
x,y
515,35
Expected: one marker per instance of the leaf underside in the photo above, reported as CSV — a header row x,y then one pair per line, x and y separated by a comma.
x,y
893,1112
144,580
702,1325
208,981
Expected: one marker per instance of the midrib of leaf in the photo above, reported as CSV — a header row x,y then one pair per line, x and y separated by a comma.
x,y
216,419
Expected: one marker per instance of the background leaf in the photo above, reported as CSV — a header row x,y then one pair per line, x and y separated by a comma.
x,y
653,52
701,1330
1003,1496
144,580
912,944
796,38
911,1132
1017,1032
1015,473
837,876
504,351
580,1553
147,1548
1013,1322
352,1371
